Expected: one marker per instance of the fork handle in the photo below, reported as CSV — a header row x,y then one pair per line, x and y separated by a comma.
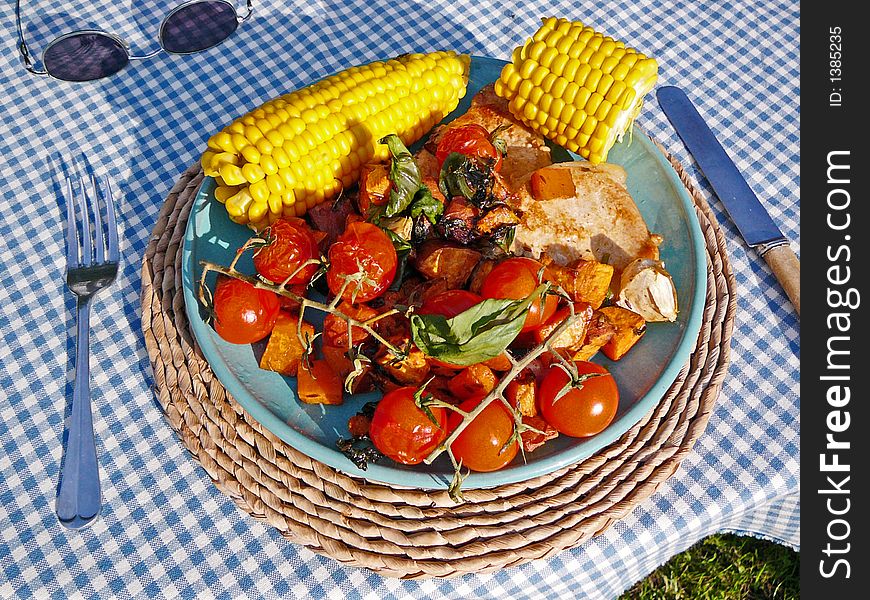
x,y
78,499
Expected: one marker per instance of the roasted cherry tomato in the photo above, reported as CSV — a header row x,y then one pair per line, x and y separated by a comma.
x,y
516,278
449,303
290,244
481,445
243,313
335,328
471,140
402,431
583,411
365,247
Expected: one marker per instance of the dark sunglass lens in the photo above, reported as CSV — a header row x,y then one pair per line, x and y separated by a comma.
x,y
198,26
85,57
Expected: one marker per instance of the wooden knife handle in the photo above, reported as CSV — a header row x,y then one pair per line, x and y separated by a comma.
x,y
787,269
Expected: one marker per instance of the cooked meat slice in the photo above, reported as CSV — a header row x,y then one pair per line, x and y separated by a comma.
x,y
600,221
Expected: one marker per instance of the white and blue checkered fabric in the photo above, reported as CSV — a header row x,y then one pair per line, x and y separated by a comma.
x,y
165,530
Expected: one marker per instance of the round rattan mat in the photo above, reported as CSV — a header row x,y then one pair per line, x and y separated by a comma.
x,y
406,532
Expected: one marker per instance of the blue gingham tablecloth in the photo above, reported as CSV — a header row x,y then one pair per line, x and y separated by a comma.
x,y
165,530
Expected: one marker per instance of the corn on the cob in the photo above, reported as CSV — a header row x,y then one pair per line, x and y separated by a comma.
x,y
304,147
577,87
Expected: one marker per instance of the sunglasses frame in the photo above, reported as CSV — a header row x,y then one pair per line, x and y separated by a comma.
x,y
28,61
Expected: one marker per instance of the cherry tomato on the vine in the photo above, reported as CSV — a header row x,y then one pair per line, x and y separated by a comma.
x,y
363,247
580,412
243,313
291,244
471,140
449,303
482,445
403,431
517,277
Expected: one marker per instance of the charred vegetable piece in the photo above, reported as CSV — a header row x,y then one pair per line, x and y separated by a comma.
x,y
472,382
374,186
453,262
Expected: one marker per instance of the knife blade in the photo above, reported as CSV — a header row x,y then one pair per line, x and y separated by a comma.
x,y
749,215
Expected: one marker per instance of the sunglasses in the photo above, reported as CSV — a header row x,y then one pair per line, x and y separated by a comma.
x,y
90,54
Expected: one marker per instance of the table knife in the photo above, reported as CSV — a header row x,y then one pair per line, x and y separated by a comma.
x,y
752,220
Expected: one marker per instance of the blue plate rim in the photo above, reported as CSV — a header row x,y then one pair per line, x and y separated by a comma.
x,y
421,479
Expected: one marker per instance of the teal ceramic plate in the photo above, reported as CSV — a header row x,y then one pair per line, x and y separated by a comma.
x,y
643,376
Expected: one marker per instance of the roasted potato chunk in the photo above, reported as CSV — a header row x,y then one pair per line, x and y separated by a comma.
x,y
480,272
442,259
339,362
521,392
599,331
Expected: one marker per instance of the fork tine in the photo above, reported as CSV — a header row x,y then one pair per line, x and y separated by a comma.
x,y
112,225
87,255
72,242
99,250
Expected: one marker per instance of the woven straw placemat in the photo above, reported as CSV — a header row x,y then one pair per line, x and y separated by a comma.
x,y
413,533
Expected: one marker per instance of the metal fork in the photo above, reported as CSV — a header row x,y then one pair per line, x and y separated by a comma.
x,y
92,259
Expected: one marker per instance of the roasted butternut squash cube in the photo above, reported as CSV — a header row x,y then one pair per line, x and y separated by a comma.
x,y
472,381
629,328
583,280
283,350
411,370
551,183
317,383
521,392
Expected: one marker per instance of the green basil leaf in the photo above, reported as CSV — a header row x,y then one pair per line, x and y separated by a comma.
x,y
480,333
426,204
404,173
452,180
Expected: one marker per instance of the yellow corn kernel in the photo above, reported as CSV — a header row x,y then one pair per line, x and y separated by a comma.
x,y
275,183
251,154
259,191
257,211
222,193
268,164
231,174
237,205
253,172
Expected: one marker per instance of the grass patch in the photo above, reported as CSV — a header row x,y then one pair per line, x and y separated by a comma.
x,y
724,566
